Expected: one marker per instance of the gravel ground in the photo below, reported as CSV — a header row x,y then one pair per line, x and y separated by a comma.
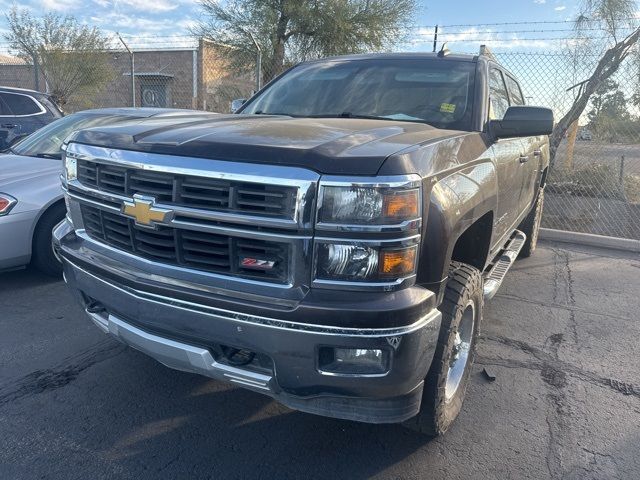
x,y
561,337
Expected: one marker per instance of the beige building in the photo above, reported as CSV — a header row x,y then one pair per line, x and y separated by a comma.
x,y
199,78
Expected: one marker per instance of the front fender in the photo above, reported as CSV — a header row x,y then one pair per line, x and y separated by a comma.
x,y
456,202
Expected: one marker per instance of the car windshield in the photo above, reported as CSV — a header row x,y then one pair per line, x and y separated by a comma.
x,y
47,142
434,91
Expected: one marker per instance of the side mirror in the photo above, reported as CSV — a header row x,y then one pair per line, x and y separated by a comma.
x,y
236,104
522,121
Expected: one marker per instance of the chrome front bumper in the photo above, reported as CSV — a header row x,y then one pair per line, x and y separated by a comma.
x,y
177,333
178,355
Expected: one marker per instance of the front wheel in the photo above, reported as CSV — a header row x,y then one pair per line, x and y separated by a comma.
x,y
43,257
447,380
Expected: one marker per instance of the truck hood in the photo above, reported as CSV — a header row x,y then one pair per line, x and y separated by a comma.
x,y
16,170
329,145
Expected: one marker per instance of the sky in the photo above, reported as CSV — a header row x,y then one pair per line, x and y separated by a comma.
x,y
464,24
144,18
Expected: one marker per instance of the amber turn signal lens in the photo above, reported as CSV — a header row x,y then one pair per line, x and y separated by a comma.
x,y
401,205
397,263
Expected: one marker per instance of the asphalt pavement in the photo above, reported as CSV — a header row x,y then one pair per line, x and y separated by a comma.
x,y
561,339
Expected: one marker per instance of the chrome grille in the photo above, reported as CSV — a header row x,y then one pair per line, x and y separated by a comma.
x,y
209,252
191,191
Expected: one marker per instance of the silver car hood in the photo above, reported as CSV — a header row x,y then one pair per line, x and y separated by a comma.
x,y
16,170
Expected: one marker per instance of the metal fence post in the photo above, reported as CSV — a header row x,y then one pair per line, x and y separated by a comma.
x,y
435,39
36,73
133,71
258,61
259,70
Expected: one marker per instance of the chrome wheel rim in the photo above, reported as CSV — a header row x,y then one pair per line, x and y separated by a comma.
x,y
461,349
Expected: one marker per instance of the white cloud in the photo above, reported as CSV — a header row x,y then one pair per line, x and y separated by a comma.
x,y
60,5
540,2
147,6
560,8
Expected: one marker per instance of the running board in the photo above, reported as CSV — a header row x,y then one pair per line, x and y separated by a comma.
x,y
494,276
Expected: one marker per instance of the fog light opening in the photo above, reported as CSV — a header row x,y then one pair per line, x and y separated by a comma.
x,y
237,356
353,361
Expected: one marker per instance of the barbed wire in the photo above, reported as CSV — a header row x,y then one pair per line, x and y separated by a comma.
x,y
565,30
530,22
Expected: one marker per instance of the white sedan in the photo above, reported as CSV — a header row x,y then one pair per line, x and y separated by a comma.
x,y
31,200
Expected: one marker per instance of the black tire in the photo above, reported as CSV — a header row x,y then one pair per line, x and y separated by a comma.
x,y
42,256
439,409
530,226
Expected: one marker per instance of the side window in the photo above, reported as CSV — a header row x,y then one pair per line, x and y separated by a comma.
x,y
514,91
498,98
20,104
4,110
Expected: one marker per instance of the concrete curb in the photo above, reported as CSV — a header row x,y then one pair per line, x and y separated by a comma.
x,y
626,244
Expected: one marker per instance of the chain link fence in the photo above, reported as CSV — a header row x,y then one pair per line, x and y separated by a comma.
x,y
593,185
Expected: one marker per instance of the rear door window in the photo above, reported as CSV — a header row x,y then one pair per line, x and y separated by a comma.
x,y
499,100
19,104
514,91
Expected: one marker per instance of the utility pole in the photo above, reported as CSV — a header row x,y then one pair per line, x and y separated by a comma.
x,y
133,71
435,39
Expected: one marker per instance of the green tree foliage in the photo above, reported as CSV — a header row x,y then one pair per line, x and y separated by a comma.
x,y
609,114
292,30
72,57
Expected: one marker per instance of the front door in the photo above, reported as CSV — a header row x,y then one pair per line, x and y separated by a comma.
x,y
507,157
530,160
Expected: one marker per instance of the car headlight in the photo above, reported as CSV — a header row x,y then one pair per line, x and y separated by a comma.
x,y
7,202
367,205
365,263
70,168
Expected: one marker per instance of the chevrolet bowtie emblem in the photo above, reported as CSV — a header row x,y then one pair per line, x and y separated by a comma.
x,y
143,210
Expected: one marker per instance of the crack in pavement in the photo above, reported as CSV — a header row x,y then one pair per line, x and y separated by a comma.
x,y
545,360
41,381
559,306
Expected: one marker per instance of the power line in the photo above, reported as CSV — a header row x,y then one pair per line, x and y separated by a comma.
x,y
542,22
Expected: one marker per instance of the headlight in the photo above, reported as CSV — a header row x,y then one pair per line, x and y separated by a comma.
x,y
70,168
364,205
7,202
383,216
361,262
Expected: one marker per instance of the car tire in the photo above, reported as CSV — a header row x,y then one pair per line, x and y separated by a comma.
x,y
530,226
446,383
42,256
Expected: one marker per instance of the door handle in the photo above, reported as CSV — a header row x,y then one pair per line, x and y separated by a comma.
x,y
8,125
537,153
523,158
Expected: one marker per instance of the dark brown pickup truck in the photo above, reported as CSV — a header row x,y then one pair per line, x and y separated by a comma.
x,y
331,244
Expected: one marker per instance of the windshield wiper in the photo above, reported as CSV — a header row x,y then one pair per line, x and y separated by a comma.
x,y
349,115
53,156
260,112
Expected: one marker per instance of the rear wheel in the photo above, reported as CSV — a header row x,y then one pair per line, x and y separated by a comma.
x,y
42,256
530,226
447,380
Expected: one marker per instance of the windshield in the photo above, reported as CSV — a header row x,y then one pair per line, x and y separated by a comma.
x,y
47,141
434,91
